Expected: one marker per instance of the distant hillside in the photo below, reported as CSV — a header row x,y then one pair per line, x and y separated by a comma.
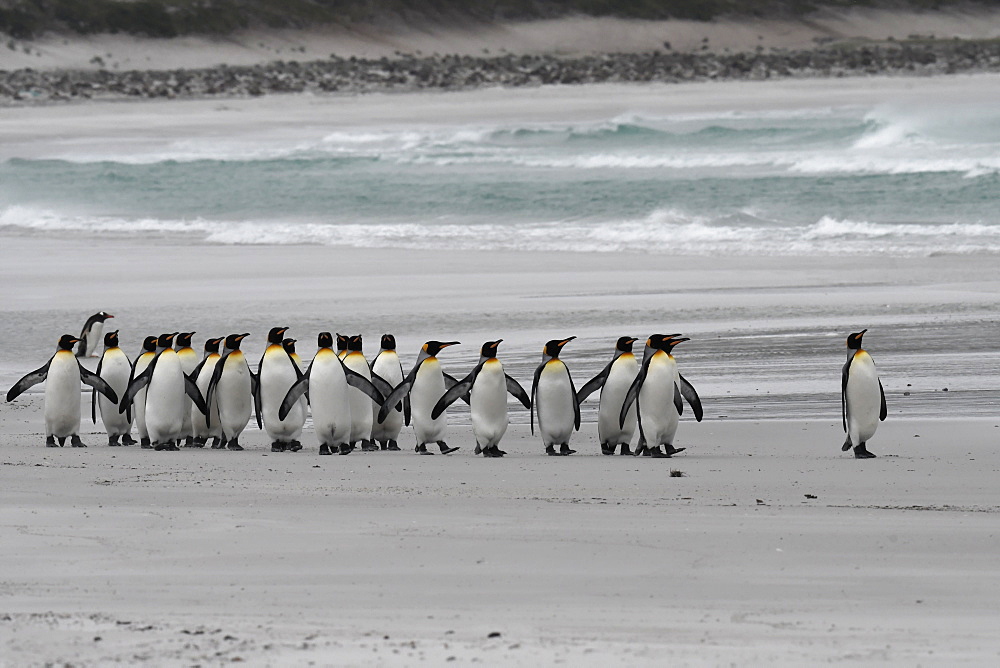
x,y
25,19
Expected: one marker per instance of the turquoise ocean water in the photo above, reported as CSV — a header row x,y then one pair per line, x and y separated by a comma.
x,y
825,181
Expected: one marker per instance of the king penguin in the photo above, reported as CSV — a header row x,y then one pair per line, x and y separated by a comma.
x,y
189,361
277,373
342,341
862,399
62,375
289,346
487,386
232,386
139,401
202,375
425,384
614,381
90,335
553,396
387,373
166,404
329,384
361,404
116,369
658,390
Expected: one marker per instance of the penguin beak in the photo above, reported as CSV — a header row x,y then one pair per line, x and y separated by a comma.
x,y
565,341
242,336
109,316
450,343
75,340
674,342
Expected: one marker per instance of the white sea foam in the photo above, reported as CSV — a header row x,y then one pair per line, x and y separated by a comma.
x,y
665,231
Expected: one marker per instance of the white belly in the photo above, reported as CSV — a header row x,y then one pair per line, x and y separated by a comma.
x,y
62,396
198,421
235,399
864,401
329,396
361,403
115,370
656,401
489,404
94,339
166,402
427,388
554,399
277,375
620,378
387,366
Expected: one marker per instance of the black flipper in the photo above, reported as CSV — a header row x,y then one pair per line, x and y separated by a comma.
x,y
197,370
34,378
534,388
385,389
883,411
515,389
99,384
255,391
355,379
191,389
216,375
678,404
136,384
843,390
406,410
450,382
458,389
294,393
400,391
576,404
93,394
594,384
691,395
633,391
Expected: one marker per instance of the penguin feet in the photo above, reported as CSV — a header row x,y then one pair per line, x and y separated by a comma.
x,y
324,449
50,442
343,449
218,444
127,439
384,445
861,452
198,442
113,441
294,446
145,443
671,450
277,446
656,453
234,445
565,451
445,448
640,450
368,446
75,441
189,442
847,444
163,446
394,447
421,449
479,449
607,449
625,450
493,452
550,450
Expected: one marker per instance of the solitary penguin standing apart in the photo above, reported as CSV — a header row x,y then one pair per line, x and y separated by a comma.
x,y
658,390
387,373
614,381
553,396
90,335
62,375
277,373
139,402
487,386
425,386
116,369
189,361
862,399
202,375
329,383
232,386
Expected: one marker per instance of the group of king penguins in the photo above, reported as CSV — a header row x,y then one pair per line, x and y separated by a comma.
x,y
173,395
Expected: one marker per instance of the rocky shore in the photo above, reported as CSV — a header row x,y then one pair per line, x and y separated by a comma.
x,y
407,73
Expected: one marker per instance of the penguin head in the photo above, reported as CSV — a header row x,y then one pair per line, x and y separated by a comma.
x,y
489,349
342,342
325,340
553,347
432,348
149,344
388,342
212,345
275,336
289,345
102,316
111,339
854,340
354,343
624,344
184,340
67,341
664,342
165,340
233,341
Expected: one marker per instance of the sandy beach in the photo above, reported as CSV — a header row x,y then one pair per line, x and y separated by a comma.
x,y
768,546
